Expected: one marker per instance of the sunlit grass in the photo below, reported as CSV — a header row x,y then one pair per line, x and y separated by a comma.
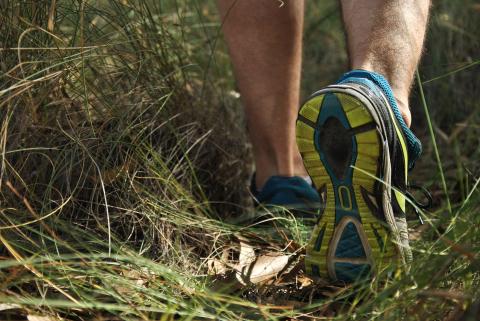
x,y
124,162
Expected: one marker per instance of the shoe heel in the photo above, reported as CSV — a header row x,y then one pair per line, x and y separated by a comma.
x,y
340,146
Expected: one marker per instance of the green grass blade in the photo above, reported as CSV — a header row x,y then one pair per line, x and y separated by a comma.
x,y
434,142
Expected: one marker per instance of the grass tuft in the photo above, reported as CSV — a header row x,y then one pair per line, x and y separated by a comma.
x,y
124,165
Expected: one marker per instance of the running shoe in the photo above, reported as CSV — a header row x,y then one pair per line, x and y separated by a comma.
x,y
357,149
283,191
286,204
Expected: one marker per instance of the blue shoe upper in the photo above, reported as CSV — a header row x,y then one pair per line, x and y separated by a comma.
x,y
377,82
286,191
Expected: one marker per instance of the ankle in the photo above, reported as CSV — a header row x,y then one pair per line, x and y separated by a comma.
x,y
400,91
269,165
405,111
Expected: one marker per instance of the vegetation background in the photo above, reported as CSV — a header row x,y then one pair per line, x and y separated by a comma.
x,y
124,162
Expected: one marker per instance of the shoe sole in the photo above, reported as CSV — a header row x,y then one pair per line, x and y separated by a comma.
x,y
340,143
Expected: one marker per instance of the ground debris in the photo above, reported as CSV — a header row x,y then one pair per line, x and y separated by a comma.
x,y
273,276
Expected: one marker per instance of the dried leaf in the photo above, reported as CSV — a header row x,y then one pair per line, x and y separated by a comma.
x,y
267,267
40,318
247,254
8,306
264,268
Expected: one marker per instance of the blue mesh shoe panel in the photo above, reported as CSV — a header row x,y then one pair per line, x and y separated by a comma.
x,y
284,191
349,272
350,244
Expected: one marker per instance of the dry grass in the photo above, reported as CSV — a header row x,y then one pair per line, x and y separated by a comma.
x,y
124,161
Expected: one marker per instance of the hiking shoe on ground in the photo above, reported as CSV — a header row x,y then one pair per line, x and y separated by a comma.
x,y
286,204
356,146
289,192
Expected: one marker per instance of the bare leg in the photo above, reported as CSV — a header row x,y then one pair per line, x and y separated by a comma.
x,y
265,44
386,36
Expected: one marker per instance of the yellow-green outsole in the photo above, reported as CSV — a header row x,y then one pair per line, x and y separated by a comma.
x,y
318,262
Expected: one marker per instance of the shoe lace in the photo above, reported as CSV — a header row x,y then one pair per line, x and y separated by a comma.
x,y
419,205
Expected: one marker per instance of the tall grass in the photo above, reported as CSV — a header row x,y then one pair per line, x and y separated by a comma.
x,y
124,162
